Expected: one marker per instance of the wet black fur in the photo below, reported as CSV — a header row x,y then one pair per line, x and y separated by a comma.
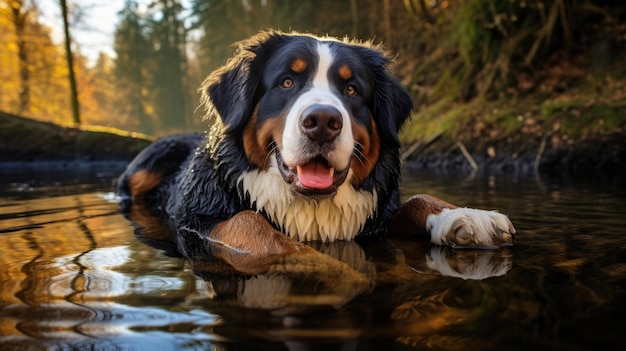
x,y
200,188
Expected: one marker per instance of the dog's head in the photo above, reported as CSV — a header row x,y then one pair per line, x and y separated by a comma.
x,y
322,108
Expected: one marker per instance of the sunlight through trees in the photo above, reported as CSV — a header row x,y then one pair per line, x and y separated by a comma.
x,y
447,51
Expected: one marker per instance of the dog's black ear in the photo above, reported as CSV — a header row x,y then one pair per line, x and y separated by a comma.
x,y
392,103
232,91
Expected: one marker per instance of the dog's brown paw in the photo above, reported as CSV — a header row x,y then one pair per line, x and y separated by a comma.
x,y
468,227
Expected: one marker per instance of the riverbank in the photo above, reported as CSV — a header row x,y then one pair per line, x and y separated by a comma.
x,y
472,144
582,127
520,154
27,143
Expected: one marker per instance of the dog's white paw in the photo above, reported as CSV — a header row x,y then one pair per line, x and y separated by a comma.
x,y
468,227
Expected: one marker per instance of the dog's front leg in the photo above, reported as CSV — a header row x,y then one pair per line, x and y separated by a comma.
x,y
444,223
249,243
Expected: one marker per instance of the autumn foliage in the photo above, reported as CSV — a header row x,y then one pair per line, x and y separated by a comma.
x,y
448,51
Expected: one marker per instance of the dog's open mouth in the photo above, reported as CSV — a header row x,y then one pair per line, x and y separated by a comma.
x,y
313,178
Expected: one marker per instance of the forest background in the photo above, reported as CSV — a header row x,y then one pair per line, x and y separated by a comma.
x,y
519,76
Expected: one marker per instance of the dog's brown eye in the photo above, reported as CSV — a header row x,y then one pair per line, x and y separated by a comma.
x,y
351,90
287,83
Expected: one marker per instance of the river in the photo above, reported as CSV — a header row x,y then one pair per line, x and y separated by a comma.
x,y
76,274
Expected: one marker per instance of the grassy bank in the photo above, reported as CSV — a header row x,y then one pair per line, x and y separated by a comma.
x,y
564,130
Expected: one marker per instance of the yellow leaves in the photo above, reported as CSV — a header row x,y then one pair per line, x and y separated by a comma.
x,y
31,60
15,5
9,81
11,47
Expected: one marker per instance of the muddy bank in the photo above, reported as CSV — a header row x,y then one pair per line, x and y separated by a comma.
x,y
26,143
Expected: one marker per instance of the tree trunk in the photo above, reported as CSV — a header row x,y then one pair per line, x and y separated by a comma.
x,y
19,17
70,64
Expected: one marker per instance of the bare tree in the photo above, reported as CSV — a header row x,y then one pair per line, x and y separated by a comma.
x,y
70,63
20,12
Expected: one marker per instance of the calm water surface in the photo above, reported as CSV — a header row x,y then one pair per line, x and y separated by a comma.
x,y
75,274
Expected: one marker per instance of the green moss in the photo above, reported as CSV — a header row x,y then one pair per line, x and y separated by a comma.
x,y
441,117
585,110
612,116
507,119
579,117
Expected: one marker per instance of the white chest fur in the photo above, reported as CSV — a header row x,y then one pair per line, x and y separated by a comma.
x,y
338,218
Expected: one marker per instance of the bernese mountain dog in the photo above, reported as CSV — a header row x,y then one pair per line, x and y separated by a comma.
x,y
302,146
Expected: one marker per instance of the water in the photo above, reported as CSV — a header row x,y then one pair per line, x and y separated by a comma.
x,y
74,274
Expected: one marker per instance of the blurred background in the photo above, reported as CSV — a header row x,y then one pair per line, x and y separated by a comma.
x,y
136,64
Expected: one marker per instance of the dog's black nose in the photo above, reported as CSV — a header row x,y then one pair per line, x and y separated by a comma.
x,y
321,123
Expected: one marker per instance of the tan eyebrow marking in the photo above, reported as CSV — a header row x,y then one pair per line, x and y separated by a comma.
x,y
345,72
298,65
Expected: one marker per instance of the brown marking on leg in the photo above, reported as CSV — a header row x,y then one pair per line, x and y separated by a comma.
x,y
412,216
142,181
369,146
249,243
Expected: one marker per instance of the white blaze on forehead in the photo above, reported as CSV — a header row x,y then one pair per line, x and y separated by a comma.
x,y
321,92
325,60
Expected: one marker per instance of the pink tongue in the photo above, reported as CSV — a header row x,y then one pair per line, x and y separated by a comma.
x,y
315,175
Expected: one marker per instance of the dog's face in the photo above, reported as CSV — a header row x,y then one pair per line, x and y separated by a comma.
x,y
320,110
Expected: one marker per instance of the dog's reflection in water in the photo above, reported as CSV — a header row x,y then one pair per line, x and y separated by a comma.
x,y
296,284
302,285
342,271
469,264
